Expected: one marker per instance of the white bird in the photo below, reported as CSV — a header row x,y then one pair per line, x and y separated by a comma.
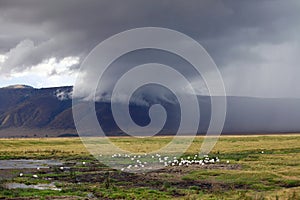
x,y
83,163
227,161
61,168
38,168
21,174
262,152
35,176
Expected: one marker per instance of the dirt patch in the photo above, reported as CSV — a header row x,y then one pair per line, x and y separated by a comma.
x,y
184,169
160,179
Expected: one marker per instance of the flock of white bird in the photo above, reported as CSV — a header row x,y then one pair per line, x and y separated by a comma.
x,y
145,160
138,161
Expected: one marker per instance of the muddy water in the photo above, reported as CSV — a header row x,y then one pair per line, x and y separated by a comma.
x,y
50,186
27,164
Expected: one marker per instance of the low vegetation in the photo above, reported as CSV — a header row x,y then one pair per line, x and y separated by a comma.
x,y
249,167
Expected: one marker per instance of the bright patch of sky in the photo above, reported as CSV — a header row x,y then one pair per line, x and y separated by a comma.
x,y
49,73
2,58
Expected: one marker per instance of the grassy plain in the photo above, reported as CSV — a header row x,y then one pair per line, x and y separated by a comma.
x,y
260,167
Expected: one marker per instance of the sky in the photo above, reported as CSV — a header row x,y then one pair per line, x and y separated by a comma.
x,y
255,44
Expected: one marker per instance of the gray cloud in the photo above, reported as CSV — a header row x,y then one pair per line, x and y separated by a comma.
x,y
239,35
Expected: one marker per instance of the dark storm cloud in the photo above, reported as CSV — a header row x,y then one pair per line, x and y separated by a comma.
x,y
237,34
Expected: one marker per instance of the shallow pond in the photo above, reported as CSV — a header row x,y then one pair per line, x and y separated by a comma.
x,y
50,186
27,164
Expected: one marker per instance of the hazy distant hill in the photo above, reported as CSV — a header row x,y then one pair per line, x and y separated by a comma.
x,y
32,109
28,112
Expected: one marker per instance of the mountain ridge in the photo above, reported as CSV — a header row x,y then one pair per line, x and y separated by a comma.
x,y
19,86
45,112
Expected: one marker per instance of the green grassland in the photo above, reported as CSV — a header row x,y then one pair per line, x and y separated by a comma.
x,y
260,167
